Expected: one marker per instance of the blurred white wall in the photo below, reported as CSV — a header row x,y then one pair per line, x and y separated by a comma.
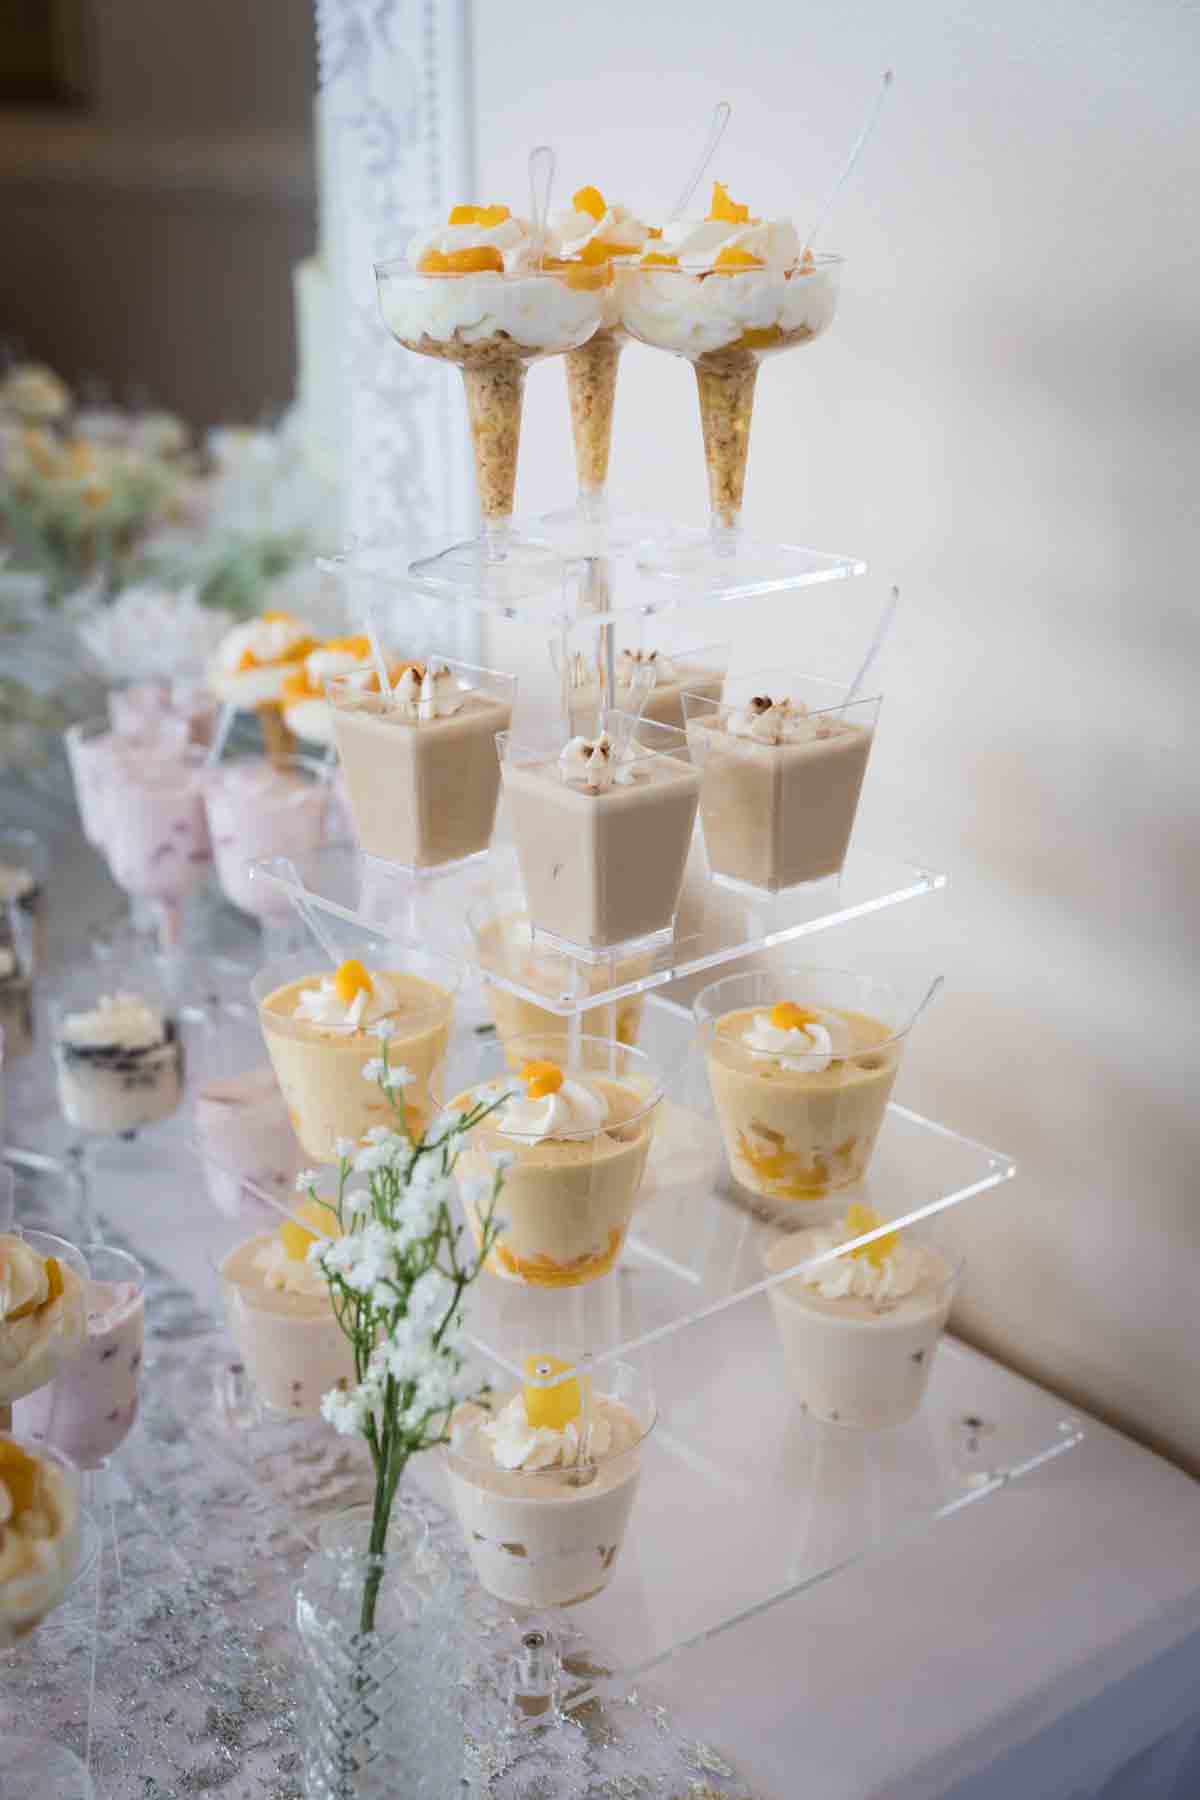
x,y
1004,421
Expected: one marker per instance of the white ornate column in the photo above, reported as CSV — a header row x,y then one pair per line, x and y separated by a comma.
x,y
396,133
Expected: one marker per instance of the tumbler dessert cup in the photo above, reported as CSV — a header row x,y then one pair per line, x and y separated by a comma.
x,y
246,1143
420,763
505,944
281,1317
801,1063
39,1540
41,1309
89,1409
603,828
261,806
578,1123
859,1331
544,1483
118,1056
319,1027
473,292
781,764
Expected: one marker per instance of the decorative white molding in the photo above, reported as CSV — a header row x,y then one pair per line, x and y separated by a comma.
x,y
396,119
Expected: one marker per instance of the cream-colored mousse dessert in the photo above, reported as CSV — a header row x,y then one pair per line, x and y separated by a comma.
x,y
281,1317
119,1065
420,764
246,1142
505,943
859,1331
319,1033
42,1313
602,835
543,1496
592,235
474,293
669,677
800,1093
779,790
39,1536
579,1144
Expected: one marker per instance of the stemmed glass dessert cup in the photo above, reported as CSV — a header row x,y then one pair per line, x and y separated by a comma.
x,y
725,322
262,806
492,325
800,1113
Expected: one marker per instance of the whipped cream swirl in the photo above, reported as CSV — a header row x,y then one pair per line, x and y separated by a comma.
x,y
516,1444
434,694
619,230
596,763
275,640
780,721
696,244
512,239
632,663
285,1274
121,1019
904,1269
805,1049
323,1005
574,1110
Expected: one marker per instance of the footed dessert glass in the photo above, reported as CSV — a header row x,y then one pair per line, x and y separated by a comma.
x,y
801,1062
724,322
492,325
260,806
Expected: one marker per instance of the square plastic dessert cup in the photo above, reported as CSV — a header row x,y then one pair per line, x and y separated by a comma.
x,y
585,681
778,815
603,871
850,1362
422,794
569,1197
793,1136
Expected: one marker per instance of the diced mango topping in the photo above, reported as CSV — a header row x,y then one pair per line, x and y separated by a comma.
x,y
860,1219
277,618
724,208
589,200
733,258
20,1473
247,660
599,250
54,1287
350,980
787,1016
541,1078
654,231
653,259
552,1408
462,262
487,216
293,1236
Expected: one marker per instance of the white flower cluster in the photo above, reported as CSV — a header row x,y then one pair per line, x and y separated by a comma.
x,y
433,1373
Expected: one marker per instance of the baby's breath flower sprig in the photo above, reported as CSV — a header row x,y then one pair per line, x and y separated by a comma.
x,y
397,1269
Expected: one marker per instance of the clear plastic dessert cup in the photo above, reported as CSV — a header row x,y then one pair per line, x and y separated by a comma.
x,y
724,323
156,831
260,806
24,869
858,1358
118,1050
423,792
319,1067
89,1409
799,1123
570,1195
42,1286
551,1537
603,868
287,1336
491,325
510,957
95,752
778,810
650,684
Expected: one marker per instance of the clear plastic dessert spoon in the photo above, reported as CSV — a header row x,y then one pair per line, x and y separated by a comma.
x,y
716,131
876,645
299,898
860,144
541,181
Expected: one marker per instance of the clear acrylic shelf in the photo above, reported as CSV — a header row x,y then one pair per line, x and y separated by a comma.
x,y
715,924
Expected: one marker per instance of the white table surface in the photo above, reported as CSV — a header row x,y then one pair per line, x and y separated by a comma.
x,y
1042,1645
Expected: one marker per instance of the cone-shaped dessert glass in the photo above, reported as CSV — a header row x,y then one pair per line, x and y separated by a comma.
x,y
724,324
492,325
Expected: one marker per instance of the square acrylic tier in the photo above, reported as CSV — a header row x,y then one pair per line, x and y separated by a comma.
x,y
714,925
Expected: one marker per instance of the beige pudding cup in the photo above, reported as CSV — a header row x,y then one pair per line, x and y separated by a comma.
x,y
567,1200
507,952
319,1068
700,671
292,1345
550,1537
422,792
776,815
798,1135
854,1361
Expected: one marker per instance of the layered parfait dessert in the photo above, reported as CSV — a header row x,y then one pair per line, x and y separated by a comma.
x,y
39,1536
544,1486
420,764
602,833
779,783
156,830
280,1315
859,1330
251,665
260,806
118,1063
647,682
801,1085
41,1310
246,1142
578,1128
320,1032
504,942
89,1409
